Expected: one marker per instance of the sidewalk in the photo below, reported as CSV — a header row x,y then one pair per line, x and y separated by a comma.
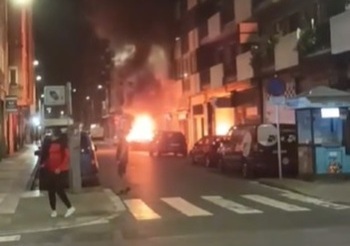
x,y
15,173
23,211
331,191
94,206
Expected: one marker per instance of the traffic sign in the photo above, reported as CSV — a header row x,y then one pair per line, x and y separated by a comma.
x,y
54,95
276,87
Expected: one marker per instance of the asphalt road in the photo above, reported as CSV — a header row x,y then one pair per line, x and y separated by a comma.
x,y
173,203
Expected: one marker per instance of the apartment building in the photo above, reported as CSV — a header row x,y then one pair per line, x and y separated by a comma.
x,y
19,82
226,51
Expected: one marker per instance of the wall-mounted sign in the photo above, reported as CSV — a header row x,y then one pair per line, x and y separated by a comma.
x,y
11,104
54,95
276,87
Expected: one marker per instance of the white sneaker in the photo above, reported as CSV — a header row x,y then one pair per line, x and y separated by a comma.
x,y
53,214
70,212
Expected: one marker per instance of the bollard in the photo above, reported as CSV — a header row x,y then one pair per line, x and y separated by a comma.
x,y
75,183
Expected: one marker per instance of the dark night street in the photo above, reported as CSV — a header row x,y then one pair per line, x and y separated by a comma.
x,y
175,203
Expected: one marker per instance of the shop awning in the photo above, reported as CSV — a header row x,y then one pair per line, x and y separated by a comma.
x,y
319,97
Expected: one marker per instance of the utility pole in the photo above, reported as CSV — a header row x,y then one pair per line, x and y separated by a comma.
x,y
74,146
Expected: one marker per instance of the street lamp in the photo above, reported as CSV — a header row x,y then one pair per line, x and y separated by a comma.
x,y
38,78
88,98
36,63
74,90
99,87
23,2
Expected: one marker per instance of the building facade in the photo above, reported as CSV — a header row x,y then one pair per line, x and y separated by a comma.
x,y
19,79
225,53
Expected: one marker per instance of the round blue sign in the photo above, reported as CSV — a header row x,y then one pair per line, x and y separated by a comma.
x,y
276,87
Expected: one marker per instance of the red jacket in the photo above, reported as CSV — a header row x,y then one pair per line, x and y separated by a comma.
x,y
58,159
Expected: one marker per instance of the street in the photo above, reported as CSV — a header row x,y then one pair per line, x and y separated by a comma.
x,y
172,202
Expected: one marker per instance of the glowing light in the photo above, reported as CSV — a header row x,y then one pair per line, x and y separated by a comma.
x,y
142,129
38,78
36,121
36,63
222,129
88,98
99,87
23,2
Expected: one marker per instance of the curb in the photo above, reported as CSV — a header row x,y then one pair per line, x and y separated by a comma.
x,y
31,181
61,226
284,188
280,186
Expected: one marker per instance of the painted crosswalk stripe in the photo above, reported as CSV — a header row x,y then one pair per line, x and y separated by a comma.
x,y
315,201
274,203
140,210
231,205
185,207
7,239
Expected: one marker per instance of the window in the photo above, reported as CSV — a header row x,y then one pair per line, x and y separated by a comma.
x,y
327,131
304,126
13,76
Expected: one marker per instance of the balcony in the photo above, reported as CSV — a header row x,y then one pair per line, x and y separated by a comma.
x,y
204,79
315,40
340,33
286,54
244,68
216,76
195,84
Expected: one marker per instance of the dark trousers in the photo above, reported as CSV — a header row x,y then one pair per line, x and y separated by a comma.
x,y
55,185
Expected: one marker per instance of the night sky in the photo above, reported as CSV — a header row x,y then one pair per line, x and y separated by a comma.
x,y
58,28
64,29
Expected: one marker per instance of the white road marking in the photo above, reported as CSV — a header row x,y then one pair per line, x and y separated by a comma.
x,y
230,205
276,204
315,201
117,202
140,210
185,207
7,239
32,194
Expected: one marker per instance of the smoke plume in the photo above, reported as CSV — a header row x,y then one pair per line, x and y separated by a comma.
x,y
138,36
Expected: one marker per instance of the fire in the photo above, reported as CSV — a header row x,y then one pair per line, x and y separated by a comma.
x,y
222,129
142,129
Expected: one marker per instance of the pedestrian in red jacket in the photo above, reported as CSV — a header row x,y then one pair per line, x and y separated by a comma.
x,y
55,161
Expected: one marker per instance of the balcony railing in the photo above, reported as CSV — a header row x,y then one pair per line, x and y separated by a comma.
x,y
314,39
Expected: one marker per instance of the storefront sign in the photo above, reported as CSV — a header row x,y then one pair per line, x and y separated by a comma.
x,y
11,104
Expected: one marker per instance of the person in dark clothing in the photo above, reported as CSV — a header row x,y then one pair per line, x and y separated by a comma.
x,y
55,162
122,161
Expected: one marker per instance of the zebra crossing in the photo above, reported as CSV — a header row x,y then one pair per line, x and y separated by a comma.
x,y
247,204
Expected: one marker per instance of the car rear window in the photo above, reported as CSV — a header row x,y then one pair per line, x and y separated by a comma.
x,y
174,136
84,142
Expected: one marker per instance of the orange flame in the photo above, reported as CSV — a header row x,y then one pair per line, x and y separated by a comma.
x,y
142,129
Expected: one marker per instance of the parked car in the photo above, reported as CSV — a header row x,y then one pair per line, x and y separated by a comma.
x,y
88,161
252,151
167,142
205,151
